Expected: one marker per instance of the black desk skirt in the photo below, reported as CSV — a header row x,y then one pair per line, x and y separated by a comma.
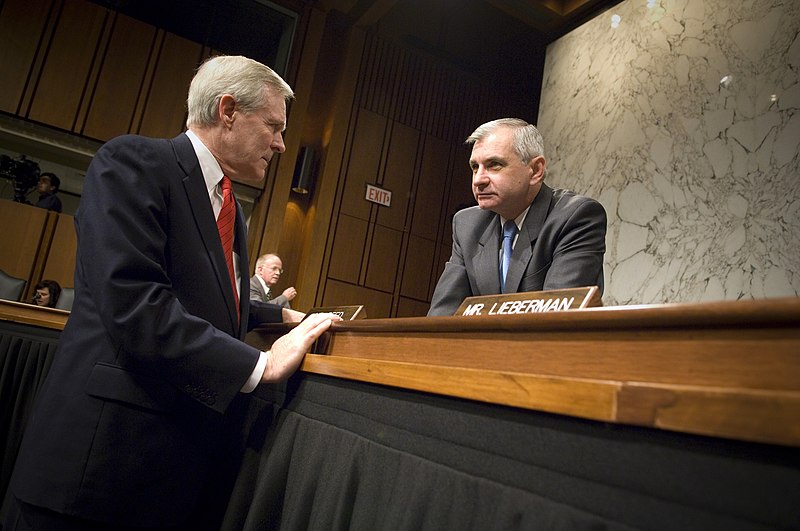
x,y
323,453
26,353
348,455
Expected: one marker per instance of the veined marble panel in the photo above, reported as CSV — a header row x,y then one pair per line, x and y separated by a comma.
x,y
683,121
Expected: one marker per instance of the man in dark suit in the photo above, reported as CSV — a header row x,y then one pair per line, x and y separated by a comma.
x,y
555,238
127,428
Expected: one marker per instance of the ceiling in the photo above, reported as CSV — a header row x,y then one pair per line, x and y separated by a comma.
x,y
504,41
549,18
470,30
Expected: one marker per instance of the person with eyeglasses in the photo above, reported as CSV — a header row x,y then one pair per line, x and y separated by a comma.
x,y
269,269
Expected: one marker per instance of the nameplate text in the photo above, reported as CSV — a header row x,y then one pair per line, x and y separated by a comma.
x,y
347,313
531,302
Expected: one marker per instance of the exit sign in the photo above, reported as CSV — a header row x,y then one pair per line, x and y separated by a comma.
x,y
379,195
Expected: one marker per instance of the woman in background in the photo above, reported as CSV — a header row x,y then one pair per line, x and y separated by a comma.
x,y
47,292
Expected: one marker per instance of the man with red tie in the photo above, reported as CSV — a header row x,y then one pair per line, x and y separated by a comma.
x,y
126,429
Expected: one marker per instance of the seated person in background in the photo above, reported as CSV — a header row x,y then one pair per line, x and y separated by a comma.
x,y
555,238
46,293
268,271
47,188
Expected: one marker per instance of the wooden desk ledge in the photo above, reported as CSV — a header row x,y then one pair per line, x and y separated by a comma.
x,y
31,314
782,312
752,415
728,369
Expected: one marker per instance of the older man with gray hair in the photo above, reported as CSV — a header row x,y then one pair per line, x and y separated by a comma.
x,y
128,430
269,269
522,235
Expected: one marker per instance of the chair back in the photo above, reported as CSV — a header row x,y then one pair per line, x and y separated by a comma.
x,y
11,288
65,299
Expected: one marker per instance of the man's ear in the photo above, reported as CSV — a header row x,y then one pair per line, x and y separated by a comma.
x,y
226,110
537,165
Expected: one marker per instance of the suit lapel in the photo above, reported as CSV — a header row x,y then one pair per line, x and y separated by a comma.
x,y
197,194
487,260
528,234
240,246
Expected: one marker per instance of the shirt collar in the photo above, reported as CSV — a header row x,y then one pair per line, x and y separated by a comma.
x,y
519,219
212,173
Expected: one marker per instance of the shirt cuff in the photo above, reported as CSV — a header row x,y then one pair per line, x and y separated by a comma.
x,y
258,372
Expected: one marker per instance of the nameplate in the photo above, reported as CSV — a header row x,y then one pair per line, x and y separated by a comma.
x,y
531,302
347,313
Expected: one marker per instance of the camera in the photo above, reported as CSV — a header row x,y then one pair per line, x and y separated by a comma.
x,y
24,173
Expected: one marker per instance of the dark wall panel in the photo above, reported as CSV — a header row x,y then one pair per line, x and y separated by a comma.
x,y
348,249
431,188
120,83
363,164
21,25
384,258
165,110
398,176
71,56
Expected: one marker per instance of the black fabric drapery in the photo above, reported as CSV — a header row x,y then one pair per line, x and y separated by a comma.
x,y
26,354
325,453
347,455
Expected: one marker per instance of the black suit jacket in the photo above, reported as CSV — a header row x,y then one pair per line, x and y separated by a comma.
x,y
126,425
560,245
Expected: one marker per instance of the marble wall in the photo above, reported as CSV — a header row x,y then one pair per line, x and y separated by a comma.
x,y
683,121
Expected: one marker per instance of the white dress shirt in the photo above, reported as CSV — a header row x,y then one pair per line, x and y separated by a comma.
x,y
519,221
212,174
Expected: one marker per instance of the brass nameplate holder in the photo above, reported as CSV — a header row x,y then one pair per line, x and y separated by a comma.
x,y
347,313
531,302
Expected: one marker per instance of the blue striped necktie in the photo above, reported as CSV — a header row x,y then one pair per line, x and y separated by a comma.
x,y
509,231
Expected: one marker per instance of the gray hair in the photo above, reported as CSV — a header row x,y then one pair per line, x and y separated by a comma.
x,y
244,79
528,142
263,259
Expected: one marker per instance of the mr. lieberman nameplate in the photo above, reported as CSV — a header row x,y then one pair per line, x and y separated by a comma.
x,y
531,302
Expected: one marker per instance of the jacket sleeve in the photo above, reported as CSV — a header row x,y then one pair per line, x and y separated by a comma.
x,y
255,290
453,286
578,255
263,313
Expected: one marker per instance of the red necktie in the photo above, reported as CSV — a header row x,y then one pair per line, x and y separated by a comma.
x,y
225,224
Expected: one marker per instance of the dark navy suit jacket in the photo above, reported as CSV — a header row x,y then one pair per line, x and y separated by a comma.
x,y
560,245
125,427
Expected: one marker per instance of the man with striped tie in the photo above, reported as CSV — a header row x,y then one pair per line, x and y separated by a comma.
x,y
523,235
126,430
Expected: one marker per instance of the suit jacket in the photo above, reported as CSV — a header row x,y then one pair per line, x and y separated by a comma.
x,y
125,428
257,293
560,245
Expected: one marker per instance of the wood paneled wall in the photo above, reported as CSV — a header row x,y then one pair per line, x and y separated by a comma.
x,y
80,67
410,117
395,117
37,244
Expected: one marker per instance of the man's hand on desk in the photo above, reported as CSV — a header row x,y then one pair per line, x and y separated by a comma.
x,y
287,352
